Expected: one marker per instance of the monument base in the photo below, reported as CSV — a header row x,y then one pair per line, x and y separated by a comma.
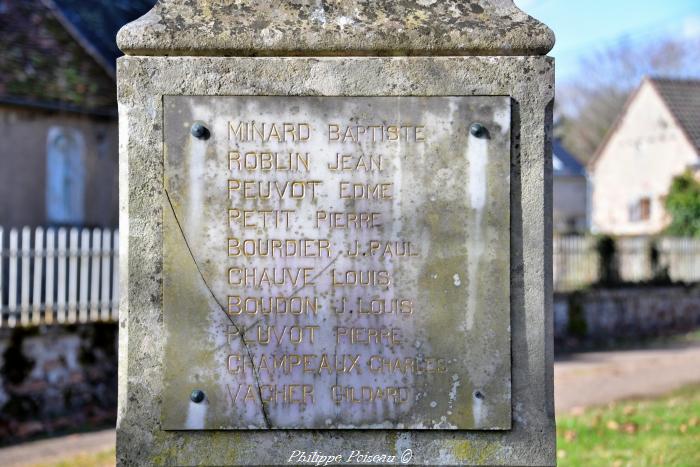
x,y
143,84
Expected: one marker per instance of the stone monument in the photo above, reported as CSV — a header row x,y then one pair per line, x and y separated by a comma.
x,y
336,234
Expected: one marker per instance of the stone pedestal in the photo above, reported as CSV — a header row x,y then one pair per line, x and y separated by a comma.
x,y
439,113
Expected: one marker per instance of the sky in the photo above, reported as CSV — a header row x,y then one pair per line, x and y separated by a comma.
x,y
582,26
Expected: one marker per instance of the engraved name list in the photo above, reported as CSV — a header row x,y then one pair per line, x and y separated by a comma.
x,y
319,260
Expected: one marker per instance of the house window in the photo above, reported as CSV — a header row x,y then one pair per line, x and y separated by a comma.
x,y
640,210
65,176
644,209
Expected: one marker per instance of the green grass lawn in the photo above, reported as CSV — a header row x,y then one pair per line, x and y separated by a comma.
x,y
663,431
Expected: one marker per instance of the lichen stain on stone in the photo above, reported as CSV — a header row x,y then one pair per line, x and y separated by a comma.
x,y
210,448
473,452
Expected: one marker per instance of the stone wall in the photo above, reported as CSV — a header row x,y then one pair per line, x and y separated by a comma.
x,y
625,313
57,378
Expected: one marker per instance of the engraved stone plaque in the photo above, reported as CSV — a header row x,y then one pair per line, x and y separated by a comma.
x,y
336,262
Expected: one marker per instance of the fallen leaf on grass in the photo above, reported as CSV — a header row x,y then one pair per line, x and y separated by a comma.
x,y
613,425
630,428
569,435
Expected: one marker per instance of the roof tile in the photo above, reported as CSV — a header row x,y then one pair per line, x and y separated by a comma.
x,y
683,100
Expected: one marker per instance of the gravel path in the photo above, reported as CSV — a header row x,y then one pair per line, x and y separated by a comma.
x,y
47,450
598,378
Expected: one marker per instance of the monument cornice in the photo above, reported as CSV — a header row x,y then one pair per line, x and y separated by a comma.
x,y
336,28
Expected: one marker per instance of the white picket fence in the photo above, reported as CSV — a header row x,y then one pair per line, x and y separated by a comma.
x,y
577,261
60,275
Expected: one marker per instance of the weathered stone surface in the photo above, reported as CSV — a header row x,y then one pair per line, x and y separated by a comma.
x,y
288,313
336,27
143,83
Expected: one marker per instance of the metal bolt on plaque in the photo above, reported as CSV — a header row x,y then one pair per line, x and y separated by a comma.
x,y
200,131
197,396
478,130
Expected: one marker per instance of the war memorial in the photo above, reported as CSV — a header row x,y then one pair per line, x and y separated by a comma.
x,y
335,234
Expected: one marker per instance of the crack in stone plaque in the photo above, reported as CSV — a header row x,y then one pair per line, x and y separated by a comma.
x,y
241,334
313,278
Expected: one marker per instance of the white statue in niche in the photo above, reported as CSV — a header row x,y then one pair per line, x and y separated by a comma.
x,y
65,176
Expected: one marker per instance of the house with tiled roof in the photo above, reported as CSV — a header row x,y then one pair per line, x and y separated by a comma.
x,y
58,115
656,138
570,197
